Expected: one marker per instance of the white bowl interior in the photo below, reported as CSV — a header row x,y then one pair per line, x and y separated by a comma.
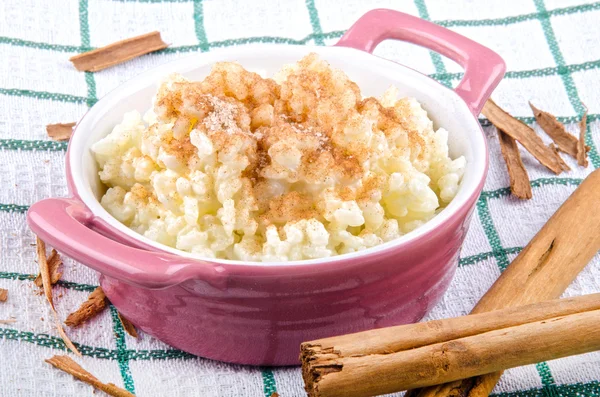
x,y
373,75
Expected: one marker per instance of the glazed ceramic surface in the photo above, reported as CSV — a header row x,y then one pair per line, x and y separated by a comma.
x,y
259,313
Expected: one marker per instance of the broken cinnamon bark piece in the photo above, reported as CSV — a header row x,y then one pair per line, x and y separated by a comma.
x,y
582,149
63,335
128,326
95,304
564,165
517,174
54,261
524,134
556,130
44,270
66,364
119,52
45,273
60,132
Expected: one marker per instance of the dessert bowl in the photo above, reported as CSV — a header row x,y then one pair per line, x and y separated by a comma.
x,y
258,313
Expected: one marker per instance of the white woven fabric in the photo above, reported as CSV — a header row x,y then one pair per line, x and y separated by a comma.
x,y
553,55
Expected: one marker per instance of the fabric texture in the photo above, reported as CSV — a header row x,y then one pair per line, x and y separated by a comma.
x,y
552,51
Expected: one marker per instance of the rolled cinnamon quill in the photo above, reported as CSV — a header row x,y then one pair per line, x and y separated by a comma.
x,y
542,271
417,355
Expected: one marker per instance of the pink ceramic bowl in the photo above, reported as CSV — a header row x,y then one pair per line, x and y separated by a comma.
x,y
258,313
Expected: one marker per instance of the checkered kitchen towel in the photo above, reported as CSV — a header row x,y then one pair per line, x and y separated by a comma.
x,y
552,50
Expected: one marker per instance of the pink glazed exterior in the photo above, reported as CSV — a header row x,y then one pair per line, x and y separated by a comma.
x,y
259,315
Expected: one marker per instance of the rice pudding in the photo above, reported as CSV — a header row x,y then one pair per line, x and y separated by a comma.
x,y
296,167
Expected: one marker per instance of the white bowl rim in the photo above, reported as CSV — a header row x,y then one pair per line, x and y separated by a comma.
x,y
467,188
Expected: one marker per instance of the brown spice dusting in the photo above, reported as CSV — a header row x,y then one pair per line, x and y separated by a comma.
x,y
9,321
556,130
180,148
391,118
347,193
582,149
142,195
95,304
119,52
290,206
522,133
128,326
54,262
370,185
3,295
66,364
349,166
223,116
517,174
60,132
309,131
237,108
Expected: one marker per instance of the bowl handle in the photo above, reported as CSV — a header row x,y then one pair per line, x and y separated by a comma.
x,y
65,225
483,67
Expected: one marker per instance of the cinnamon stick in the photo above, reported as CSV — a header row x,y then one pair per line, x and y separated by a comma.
x,y
555,130
524,134
416,355
119,52
542,271
517,174
411,336
60,132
